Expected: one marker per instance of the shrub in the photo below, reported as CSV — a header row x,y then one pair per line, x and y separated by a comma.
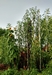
x,y
21,72
10,72
48,70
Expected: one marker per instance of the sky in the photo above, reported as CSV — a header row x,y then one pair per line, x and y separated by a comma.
x,y
12,11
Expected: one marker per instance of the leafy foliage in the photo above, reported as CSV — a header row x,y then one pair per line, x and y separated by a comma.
x,y
32,35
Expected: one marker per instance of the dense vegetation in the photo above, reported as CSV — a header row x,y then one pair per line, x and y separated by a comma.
x,y
26,49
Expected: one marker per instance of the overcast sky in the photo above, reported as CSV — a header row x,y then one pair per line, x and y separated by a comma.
x,y
13,10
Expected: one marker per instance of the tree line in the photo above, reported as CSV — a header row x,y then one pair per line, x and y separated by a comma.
x,y
32,36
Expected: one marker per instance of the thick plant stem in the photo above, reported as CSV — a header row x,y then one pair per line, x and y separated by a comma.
x,y
40,46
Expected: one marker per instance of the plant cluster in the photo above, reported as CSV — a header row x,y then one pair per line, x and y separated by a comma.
x,y
28,45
